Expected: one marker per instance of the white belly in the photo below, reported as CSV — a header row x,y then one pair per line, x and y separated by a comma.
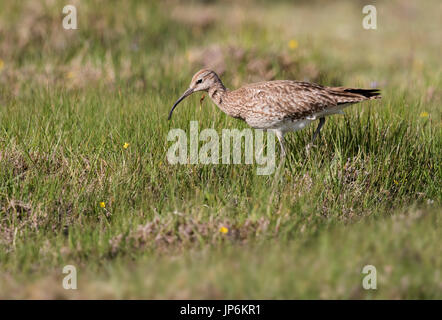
x,y
282,125
295,125
289,125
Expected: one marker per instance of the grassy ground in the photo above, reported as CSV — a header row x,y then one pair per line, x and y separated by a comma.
x,y
137,227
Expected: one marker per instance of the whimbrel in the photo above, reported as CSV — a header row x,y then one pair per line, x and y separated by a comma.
x,y
279,105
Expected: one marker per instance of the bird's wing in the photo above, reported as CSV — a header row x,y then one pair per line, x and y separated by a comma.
x,y
284,98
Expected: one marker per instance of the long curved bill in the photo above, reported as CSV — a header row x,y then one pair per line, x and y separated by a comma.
x,y
185,94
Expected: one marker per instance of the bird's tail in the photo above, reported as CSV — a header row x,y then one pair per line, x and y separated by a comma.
x,y
351,95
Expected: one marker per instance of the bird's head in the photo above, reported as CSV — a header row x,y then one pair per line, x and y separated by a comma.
x,y
203,80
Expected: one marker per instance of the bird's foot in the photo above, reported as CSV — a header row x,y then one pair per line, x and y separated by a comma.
x,y
311,145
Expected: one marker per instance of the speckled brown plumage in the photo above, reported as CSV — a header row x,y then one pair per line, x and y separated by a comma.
x,y
280,105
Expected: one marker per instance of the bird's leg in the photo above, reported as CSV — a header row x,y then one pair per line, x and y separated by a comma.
x,y
280,136
318,130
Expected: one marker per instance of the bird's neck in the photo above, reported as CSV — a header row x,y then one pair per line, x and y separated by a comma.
x,y
220,95
217,93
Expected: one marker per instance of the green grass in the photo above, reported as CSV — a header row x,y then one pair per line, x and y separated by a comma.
x,y
369,193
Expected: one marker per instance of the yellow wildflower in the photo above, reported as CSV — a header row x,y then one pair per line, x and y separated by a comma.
x,y
102,205
223,230
418,65
126,145
70,75
424,114
293,44
2,64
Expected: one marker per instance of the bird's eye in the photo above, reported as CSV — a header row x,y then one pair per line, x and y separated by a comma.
x,y
199,81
